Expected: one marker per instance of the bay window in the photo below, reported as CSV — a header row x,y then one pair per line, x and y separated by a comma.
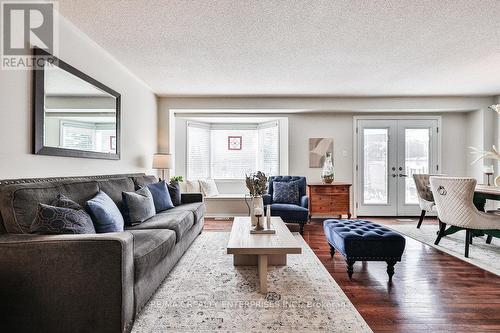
x,y
229,151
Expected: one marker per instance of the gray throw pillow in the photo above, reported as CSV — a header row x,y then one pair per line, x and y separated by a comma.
x,y
138,206
175,193
63,216
286,192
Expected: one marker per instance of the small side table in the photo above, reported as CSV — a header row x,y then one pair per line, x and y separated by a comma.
x,y
329,199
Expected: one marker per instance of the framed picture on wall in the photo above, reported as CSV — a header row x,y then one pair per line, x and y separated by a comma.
x,y
234,142
318,147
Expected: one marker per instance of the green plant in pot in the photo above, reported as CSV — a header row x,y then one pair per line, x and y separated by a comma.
x,y
176,180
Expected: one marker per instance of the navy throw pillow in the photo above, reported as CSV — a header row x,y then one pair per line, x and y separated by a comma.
x,y
105,214
175,193
63,216
138,206
286,192
161,196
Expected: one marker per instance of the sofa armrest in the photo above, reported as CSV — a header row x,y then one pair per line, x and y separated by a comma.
x,y
70,282
304,201
267,199
191,197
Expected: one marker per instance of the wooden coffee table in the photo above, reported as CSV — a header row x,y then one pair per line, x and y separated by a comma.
x,y
261,250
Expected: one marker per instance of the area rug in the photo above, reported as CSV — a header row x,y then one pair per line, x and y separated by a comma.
x,y
206,293
485,256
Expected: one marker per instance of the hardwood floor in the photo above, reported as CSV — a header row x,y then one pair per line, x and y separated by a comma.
x,y
431,290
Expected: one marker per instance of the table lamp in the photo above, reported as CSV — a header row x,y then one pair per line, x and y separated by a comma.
x,y
162,162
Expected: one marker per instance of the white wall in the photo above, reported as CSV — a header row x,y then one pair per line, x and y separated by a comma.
x,y
139,116
463,124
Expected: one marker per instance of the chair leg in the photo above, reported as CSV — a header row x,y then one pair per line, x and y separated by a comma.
x,y
467,242
301,228
442,226
332,251
489,239
422,215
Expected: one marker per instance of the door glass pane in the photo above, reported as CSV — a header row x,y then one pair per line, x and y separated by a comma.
x,y
375,165
416,159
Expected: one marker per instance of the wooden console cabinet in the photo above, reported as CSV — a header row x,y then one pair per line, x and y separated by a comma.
x,y
329,199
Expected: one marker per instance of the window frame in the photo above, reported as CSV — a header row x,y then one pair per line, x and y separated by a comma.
x,y
232,126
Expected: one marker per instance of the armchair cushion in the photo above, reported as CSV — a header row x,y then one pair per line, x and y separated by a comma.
x,y
268,199
304,201
290,212
286,192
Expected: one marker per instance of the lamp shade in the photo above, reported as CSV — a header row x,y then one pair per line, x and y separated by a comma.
x,y
162,161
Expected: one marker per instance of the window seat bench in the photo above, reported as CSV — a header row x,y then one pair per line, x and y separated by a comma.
x,y
226,205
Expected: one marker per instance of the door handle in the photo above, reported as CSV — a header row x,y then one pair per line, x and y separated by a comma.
x,y
402,175
394,175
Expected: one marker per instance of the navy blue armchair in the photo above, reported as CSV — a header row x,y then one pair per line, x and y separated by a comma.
x,y
289,213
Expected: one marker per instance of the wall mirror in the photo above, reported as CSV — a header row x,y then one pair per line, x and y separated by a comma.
x,y
74,114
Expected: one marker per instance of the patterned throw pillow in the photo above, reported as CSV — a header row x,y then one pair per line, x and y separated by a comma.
x,y
63,216
286,192
138,206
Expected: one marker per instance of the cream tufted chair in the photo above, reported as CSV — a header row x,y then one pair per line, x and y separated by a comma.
x,y
453,198
425,198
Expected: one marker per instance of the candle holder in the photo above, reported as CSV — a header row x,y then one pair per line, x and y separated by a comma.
x,y
488,175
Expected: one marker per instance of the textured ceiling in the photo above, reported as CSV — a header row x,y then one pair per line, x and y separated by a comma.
x,y
339,48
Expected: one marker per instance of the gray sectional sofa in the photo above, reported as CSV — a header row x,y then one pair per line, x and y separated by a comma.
x,y
85,283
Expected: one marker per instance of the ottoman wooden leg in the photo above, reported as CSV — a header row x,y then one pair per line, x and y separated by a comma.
x,y
332,251
350,269
390,268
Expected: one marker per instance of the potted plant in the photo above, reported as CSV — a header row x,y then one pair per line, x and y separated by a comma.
x,y
175,180
257,186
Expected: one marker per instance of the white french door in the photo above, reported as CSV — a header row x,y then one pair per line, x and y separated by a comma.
x,y
389,152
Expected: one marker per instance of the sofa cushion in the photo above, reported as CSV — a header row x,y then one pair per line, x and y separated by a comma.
x,y
289,212
114,188
19,202
64,216
161,196
179,221
138,206
193,186
174,189
144,181
150,247
197,208
105,214
208,187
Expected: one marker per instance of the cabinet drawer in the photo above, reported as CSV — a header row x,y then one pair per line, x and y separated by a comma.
x,y
330,189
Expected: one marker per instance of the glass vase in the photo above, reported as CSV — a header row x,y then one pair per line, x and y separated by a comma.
x,y
328,172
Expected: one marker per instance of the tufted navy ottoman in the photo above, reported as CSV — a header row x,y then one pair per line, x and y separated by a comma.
x,y
360,240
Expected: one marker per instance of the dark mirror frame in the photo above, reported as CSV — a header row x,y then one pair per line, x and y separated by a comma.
x,y
39,109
